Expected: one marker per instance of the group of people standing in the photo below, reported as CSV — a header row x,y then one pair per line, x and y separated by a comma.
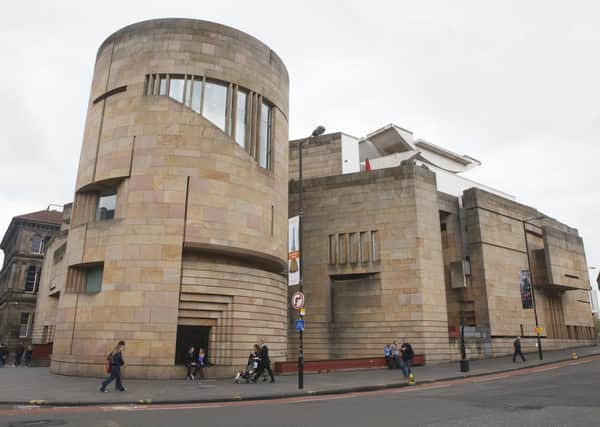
x,y
399,357
23,355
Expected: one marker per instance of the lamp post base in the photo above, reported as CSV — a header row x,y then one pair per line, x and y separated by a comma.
x,y
464,365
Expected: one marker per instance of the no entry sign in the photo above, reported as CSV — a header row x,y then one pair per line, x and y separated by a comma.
x,y
298,300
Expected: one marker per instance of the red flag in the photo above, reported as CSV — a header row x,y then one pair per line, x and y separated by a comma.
x,y
367,165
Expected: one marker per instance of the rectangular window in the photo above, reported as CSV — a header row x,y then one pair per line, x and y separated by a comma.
x,y
375,246
264,143
162,88
365,244
215,103
107,203
25,325
343,249
196,95
32,279
333,247
354,248
45,334
93,279
176,88
241,119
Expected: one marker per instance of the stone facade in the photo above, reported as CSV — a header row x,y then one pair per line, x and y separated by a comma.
x,y
439,259
198,234
24,245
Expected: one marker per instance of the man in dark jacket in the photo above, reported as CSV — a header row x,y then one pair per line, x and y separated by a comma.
x,y
517,346
265,363
115,361
19,353
407,358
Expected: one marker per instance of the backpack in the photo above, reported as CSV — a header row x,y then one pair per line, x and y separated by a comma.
x,y
409,351
108,363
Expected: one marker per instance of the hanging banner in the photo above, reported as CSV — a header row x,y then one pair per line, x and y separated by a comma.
x,y
526,295
293,251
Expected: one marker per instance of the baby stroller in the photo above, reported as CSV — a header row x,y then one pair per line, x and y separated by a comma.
x,y
251,368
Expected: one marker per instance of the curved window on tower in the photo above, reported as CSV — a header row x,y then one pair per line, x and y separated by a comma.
x,y
215,103
176,88
107,202
241,118
264,142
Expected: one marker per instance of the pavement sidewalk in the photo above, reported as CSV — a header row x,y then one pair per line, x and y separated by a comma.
x,y
23,386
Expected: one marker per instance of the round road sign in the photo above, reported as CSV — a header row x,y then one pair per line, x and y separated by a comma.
x,y
298,300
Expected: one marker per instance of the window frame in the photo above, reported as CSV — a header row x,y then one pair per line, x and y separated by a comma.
x,y
112,192
28,326
36,279
40,250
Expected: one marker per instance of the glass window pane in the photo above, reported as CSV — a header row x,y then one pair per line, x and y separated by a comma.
x,y
106,206
163,86
31,279
264,143
37,245
24,325
215,103
196,95
176,89
240,118
93,282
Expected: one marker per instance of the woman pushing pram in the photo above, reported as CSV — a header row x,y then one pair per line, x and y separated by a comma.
x,y
251,367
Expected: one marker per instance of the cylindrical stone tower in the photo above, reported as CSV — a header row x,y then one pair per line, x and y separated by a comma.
x,y
178,235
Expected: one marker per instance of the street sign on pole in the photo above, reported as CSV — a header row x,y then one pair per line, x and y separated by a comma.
x,y
298,300
299,324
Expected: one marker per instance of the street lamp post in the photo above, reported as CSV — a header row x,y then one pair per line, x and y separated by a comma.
x,y
319,130
537,325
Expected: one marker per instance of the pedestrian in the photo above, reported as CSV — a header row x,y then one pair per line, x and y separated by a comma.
x,y
28,356
189,362
407,358
396,355
3,355
20,349
387,352
265,363
115,363
517,346
200,364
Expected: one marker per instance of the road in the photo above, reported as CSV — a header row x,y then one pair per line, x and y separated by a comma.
x,y
563,394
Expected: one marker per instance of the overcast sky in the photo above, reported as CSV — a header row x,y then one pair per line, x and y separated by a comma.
x,y
513,84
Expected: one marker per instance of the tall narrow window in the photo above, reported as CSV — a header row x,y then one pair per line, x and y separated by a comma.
x,y
343,249
37,245
176,88
188,92
32,279
93,279
264,143
374,246
106,205
215,103
25,325
241,118
354,248
196,95
364,247
333,248
162,88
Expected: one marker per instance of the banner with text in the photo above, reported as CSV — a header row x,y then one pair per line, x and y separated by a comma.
x,y
526,291
293,251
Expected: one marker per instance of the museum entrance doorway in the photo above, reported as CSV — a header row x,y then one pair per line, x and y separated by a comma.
x,y
198,336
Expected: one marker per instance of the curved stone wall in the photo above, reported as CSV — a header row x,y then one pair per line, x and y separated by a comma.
x,y
174,185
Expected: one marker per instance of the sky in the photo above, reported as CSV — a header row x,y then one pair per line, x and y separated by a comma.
x,y
514,84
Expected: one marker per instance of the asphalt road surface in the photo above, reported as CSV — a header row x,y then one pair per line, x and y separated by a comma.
x,y
564,394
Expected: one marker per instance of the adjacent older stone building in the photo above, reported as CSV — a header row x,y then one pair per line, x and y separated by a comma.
x,y
24,245
178,229
399,245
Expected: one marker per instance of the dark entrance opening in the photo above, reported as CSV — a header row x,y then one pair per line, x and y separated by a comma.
x,y
188,336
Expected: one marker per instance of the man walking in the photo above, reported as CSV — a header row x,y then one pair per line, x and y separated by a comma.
x,y
517,346
265,363
115,362
407,358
